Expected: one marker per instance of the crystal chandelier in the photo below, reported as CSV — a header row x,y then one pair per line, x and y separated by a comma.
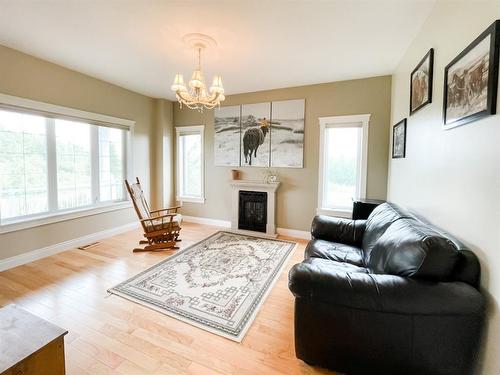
x,y
197,97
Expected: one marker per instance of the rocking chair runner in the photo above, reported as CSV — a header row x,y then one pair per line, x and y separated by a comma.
x,y
161,227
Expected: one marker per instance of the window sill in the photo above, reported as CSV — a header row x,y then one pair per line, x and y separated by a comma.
x,y
191,199
345,213
62,216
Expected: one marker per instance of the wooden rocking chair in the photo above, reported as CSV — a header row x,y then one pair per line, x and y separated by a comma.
x,y
161,227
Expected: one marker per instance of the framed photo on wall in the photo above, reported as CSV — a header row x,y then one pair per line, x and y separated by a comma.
x,y
399,140
421,83
471,80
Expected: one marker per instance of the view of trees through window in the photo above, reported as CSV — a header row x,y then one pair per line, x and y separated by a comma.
x,y
341,165
74,179
87,165
23,165
190,145
111,173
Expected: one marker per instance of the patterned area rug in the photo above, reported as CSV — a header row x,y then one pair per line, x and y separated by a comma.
x,y
217,284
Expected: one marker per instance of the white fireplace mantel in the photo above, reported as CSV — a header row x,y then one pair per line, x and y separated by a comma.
x,y
249,185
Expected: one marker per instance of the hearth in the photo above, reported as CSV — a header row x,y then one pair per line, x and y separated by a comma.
x,y
252,208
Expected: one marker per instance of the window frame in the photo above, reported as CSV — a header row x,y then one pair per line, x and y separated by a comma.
x,y
184,130
358,121
51,113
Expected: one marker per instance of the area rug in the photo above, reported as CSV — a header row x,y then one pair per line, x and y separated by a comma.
x,y
217,284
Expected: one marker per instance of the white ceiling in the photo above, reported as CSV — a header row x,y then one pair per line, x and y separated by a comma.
x,y
261,44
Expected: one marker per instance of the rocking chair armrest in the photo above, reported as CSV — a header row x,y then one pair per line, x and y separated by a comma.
x,y
171,216
166,209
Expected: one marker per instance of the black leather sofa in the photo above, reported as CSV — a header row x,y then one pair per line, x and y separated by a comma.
x,y
388,295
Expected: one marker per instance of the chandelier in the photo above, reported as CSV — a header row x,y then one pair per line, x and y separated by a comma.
x,y
197,96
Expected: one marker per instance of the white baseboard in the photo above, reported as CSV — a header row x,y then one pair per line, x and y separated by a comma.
x,y
227,224
303,234
207,221
33,255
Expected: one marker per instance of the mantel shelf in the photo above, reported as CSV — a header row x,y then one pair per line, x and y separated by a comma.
x,y
255,184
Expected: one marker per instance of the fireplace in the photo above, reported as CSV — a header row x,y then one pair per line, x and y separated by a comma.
x,y
252,209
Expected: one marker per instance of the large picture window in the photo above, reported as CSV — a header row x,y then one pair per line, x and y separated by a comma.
x,y
342,177
190,164
51,165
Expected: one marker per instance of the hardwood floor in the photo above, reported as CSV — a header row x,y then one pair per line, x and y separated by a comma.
x,y
110,335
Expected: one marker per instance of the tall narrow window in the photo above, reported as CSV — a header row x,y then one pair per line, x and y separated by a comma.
x,y
23,165
74,177
111,164
343,147
190,168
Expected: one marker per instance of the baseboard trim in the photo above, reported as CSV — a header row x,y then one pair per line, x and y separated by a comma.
x,y
207,221
33,255
294,233
227,224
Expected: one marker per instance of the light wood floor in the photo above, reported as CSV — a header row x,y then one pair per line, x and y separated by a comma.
x,y
110,335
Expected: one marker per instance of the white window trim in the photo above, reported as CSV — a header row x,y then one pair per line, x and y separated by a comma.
x,y
48,110
339,121
178,132
39,220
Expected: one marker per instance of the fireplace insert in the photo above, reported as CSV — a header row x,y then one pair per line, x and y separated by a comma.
x,y
252,210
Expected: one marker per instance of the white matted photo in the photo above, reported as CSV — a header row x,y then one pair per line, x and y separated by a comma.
x,y
287,133
227,134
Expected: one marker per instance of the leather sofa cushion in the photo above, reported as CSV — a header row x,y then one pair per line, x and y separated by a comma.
x,y
412,249
334,251
337,229
377,223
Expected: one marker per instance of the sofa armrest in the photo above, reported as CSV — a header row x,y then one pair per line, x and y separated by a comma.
x,y
336,229
321,280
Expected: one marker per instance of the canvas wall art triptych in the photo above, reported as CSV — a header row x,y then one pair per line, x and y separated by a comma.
x,y
470,85
267,134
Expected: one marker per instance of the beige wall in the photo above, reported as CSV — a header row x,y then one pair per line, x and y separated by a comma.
x,y
453,177
163,139
28,77
297,197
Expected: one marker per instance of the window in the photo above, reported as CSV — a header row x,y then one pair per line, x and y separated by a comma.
x,y
52,166
111,166
74,179
23,165
343,149
190,164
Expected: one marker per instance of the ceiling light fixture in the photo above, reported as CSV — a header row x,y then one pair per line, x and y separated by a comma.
x,y
197,97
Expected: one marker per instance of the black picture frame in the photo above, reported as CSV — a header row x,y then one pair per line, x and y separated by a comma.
x,y
429,56
399,154
493,31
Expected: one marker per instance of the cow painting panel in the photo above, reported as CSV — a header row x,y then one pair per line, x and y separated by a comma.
x,y
255,134
421,83
287,134
471,81
227,136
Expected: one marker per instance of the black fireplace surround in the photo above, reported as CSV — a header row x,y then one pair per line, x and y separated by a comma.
x,y
392,294
252,210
